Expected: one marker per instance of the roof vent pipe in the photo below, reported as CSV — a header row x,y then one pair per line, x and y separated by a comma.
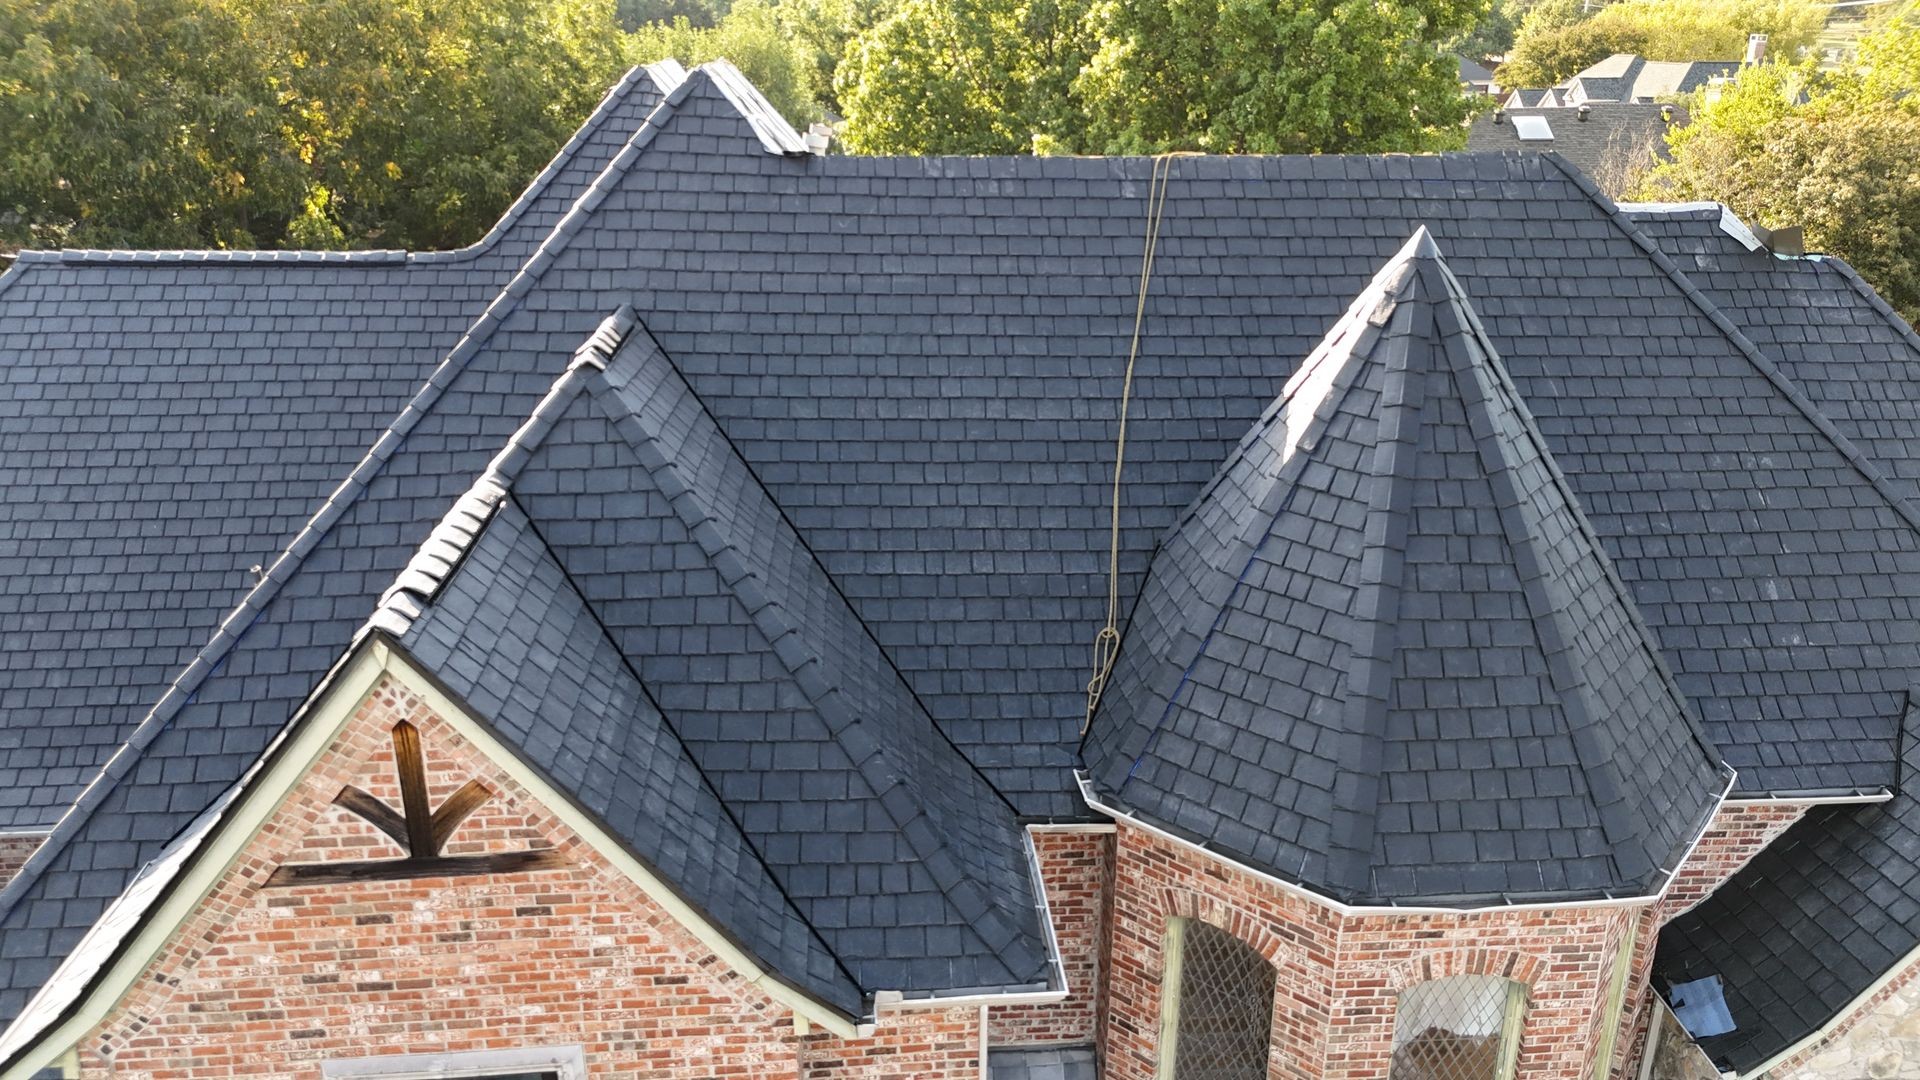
x,y
1666,113
1499,116
1584,110
1756,49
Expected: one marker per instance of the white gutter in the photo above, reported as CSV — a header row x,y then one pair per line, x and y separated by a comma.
x,y
1846,1015
899,1001
1086,792
1745,802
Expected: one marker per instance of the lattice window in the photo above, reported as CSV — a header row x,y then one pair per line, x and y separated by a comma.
x,y
1462,1028
1217,1016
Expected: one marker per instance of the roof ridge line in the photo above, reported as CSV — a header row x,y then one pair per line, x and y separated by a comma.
x,y
673,731
1780,380
778,627
374,256
439,556
1278,495
1356,828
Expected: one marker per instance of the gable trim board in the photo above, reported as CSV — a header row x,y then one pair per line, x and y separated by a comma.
x,y
1293,888
258,797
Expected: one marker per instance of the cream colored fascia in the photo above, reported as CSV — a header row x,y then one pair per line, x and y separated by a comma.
x,y
336,703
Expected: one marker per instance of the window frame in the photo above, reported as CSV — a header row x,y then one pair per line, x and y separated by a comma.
x,y
1173,954
1513,1021
568,1062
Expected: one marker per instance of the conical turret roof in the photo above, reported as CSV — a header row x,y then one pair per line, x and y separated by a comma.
x,y
1383,654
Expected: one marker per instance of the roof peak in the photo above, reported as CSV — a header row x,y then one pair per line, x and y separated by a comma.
x,y
1408,640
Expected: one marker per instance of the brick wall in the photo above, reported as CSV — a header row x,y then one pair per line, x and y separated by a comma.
x,y
15,849
268,982
1076,868
1737,834
1339,977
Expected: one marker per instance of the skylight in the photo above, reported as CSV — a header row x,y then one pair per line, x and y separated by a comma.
x,y
1532,128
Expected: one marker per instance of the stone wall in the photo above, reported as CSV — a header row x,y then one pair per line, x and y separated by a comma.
x,y
1076,867
1879,1041
268,982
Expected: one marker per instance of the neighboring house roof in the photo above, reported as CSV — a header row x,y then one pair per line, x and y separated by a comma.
x,y
1474,73
917,362
1609,136
1387,614
1816,919
1626,77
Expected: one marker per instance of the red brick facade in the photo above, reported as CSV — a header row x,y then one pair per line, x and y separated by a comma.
x,y
15,850
1076,867
1339,976
269,982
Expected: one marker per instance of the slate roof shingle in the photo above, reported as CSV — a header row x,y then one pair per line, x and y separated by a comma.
x,y
918,359
1384,655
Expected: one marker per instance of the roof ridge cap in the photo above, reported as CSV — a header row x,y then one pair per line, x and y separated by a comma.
x,y
1782,383
439,556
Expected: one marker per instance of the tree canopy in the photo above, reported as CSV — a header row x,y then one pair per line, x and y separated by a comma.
x,y
1557,39
1836,152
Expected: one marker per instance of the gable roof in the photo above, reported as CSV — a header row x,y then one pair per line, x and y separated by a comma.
x,y
917,359
1626,77
1383,653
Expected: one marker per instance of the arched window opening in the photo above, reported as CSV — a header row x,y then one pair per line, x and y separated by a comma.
x,y
1216,1013
1466,1027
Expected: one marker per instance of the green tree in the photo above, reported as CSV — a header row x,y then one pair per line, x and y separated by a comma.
x,y
1836,152
1274,76
1555,43
752,37
964,77
823,30
337,123
135,122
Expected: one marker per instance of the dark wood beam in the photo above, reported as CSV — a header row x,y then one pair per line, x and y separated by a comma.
x,y
411,764
376,813
471,796
340,873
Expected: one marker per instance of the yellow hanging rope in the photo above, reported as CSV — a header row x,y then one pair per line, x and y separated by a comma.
x,y
1106,644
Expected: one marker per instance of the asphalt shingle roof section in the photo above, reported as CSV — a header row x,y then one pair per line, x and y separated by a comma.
x,y
1384,655
907,861
513,639
1810,924
1612,134
920,359
170,420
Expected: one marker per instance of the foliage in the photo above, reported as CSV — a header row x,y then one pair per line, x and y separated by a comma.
x,y
964,77
1836,152
823,30
1274,76
285,122
1555,43
633,14
751,35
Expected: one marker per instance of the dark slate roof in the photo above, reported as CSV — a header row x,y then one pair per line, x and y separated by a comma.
x,y
1809,925
172,419
1383,654
1815,919
918,358
1611,134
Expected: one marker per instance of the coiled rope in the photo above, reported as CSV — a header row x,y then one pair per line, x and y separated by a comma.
x,y
1106,644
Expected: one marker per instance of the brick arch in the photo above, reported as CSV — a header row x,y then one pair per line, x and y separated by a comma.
x,y
1185,904
1444,963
